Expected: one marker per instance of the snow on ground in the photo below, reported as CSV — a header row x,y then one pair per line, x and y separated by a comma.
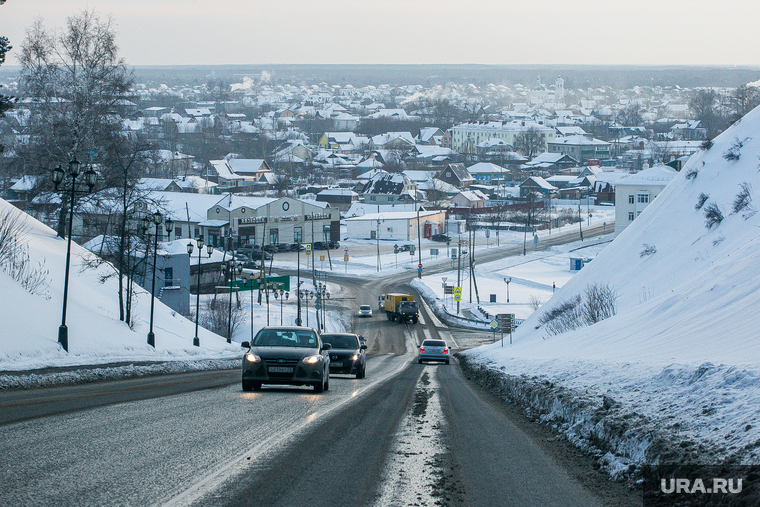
x,y
674,376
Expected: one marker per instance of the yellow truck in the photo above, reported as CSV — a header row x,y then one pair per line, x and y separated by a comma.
x,y
400,307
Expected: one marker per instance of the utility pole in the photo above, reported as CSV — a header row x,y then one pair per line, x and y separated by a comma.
x,y
459,266
580,220
419,243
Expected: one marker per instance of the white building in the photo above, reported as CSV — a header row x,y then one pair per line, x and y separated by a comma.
x,y
634,193
465,137
395,225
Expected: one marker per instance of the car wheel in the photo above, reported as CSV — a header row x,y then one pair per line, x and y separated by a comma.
x,y
256,386
318,388
420,361
447,362
327,383
247,386
414,321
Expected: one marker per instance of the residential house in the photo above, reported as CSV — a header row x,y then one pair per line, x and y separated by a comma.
x,y
634,192
396,226
536,184
456,174
580,148
472,199
430,136
387,188
487,173
691,130
339,198
552,163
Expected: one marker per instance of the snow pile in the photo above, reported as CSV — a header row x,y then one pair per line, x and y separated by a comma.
x,y
674,375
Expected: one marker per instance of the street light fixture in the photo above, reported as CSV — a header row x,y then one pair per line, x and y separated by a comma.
x,y
507,280
209,250
169,224
89,177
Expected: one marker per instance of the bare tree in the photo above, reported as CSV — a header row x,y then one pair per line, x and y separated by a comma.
x,y
5,101
434,192
529,142
76,80
704,106
630,115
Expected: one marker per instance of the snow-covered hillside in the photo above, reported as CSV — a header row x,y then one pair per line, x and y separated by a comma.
x,y
682,355
29,322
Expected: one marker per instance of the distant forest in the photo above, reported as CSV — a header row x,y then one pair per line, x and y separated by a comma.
x,y
575,76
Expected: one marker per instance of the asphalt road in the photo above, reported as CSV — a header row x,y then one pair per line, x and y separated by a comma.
x,y
408,434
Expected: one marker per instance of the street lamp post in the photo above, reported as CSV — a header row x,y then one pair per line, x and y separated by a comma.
x,y
89,176
210,250
507,280
169,224
377,237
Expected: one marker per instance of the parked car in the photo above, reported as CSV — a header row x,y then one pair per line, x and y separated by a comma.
x,y
346,353
333,244
364,311
406,248
320,245
254,254
434,350
440,237
286,355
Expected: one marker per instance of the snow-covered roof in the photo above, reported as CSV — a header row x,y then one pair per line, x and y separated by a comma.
x,y
486,168
657,175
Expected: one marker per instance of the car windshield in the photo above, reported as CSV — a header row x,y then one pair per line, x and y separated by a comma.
x,y
364,307
433,343
338,341
285,338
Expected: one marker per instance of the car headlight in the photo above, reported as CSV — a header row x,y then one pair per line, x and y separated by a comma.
x,y
252,358
312,359
355,357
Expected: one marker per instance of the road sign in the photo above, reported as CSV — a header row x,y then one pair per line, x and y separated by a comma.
x,y
494,324
317,305
457,290
345,258
419,270
453,256
308,248
411,252
448,289
322,258
457,297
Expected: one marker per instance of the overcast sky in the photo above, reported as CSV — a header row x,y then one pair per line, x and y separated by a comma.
x,y
502,32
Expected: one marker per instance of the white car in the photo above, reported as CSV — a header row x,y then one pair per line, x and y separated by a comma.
x,y
364,311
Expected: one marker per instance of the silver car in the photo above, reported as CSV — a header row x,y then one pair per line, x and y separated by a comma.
x,y
434,350
285,355
364,311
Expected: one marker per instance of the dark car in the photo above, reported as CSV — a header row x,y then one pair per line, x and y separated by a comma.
x,y
285,355
333,244
346,353
320,245
440,237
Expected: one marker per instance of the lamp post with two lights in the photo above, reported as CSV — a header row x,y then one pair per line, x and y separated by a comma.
x,y
89,177
210,250
156,220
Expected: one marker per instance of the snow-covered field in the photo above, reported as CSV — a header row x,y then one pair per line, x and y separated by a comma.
x,y
674,376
